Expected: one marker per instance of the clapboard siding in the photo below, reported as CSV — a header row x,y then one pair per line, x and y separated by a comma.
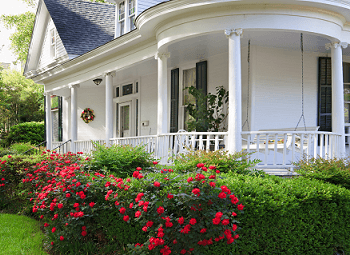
x,y
45,55
145,4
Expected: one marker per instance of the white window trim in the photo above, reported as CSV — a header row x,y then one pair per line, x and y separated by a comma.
x,y
124,19
127,98
53,45
132,15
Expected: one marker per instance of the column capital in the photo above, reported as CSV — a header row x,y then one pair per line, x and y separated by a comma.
x,y
112,73
237,31
74,86
160,55
48,93
335,45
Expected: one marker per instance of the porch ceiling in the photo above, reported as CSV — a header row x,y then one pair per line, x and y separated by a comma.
x,y
202,47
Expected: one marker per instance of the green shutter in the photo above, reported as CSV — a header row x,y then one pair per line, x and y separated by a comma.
x,y
201,76
60,126
174,108
325,94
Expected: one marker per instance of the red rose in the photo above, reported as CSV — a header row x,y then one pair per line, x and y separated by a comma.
x,y
122,210
156,184
53,230
168,224
83,228
68,195
126,217
189,179
240,207
199,165
137,214
203,230
196,191
155,162
234,227
234,214
217,171
193,221
149,224
160,210
91,204
222,195
183,251
60,206
76,205
216,221
144,229
212,177
170,196
61,238
229,241
83,233
236,237
138,168
225,222
212,167
46,225
213,184
218,215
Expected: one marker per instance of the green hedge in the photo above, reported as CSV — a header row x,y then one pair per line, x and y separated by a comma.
x,y
290,216
28,132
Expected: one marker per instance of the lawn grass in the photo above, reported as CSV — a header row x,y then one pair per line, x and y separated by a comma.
x,y
20,235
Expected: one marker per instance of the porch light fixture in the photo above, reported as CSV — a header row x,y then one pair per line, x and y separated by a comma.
x,y
97,81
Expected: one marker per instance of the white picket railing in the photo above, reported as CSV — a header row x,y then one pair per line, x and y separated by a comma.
x,y
150,142
279,149
61,147
87,146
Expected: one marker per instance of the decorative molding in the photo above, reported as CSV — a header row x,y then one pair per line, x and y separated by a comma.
x,y
48,93
229,32
112,73
74,86
162,55
336,45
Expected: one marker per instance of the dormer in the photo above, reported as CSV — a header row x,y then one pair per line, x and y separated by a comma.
x,y
126,12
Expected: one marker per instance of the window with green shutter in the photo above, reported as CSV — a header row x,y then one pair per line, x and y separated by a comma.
x,y
174,104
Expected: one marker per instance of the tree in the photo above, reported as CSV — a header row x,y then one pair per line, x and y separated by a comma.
x,y
20,39
21,100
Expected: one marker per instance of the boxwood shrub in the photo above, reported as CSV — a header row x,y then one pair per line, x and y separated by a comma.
x,y
291,216
28,132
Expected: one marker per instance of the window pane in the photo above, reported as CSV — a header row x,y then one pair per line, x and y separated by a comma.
x,y
121,10
132,22
131,7
189,80
121,27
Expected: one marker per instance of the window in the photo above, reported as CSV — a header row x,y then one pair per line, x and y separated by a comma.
x,y
189,80
53,43
121,17
132,14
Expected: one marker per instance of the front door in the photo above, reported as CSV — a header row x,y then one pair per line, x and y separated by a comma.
x,y
125,118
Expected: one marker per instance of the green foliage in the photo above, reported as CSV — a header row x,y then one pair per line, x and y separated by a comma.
x,y
21,100
336,171
20,39
119,160
291,216
224,162
208,114
28,132
19,148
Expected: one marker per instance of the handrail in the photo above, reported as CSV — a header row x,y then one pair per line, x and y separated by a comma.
x,y
59,146
34,148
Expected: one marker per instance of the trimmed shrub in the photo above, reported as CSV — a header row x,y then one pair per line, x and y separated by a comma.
x,y
291,216
28,132
336,171
120,160
224,162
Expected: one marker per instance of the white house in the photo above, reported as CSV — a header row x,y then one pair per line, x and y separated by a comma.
x,y
285,64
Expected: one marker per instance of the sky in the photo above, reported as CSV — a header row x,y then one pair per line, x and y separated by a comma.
x,y
10,7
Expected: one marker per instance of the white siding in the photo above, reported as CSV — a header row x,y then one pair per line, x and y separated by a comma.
x,y
145,4
278,88
93,98
45,55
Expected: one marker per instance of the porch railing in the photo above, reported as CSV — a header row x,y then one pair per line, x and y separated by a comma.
x,y
61,147
87,146
279,149
150,142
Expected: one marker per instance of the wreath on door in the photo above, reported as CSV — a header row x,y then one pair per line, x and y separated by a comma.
x,y
87,115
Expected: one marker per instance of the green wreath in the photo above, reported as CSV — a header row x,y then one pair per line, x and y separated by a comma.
x,y
87,115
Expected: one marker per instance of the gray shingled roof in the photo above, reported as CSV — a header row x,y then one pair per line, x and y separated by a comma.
x,y
82,25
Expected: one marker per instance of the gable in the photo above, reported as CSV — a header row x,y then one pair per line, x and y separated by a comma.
x,y
51,52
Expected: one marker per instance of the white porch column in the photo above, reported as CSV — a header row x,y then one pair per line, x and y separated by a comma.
x,y
338,92
48,120
109,108
162,110
235,90
73,115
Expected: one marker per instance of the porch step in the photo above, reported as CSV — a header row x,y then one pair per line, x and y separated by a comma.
x,y
280,172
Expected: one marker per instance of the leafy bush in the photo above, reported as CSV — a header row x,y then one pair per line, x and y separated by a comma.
x,y
28,132
336,171
224,162
291,216
119,160
19,148
5,151
15,194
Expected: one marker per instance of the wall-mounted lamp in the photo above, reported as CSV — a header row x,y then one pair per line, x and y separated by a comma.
x,y
97,81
